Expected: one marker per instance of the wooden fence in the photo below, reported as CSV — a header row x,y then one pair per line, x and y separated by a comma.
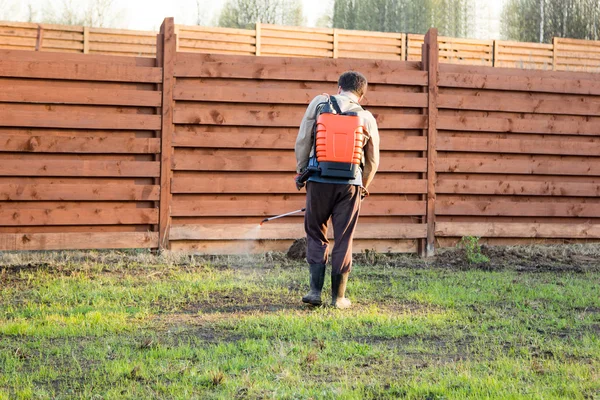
x,y
192,151
79,141
285,41
236,120
518,154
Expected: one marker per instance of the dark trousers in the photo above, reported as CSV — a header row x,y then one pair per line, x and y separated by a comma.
x,y
342,204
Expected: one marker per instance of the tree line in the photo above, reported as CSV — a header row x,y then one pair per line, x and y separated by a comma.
x,y
541,20
520,20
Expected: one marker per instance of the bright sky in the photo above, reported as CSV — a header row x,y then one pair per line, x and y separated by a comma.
x,y
149,14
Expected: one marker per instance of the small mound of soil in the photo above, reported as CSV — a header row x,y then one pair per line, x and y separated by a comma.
x,y
297,250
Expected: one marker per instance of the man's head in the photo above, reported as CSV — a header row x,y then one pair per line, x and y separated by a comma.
x,y
353,82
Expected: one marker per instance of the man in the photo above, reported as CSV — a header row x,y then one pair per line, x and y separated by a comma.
x,y
335,198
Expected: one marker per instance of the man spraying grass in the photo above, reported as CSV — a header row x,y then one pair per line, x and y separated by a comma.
x,y
337,153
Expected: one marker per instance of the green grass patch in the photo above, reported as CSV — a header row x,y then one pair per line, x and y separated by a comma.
x,y
109,326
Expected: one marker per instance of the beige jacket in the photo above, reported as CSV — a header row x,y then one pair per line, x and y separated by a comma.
x,y
304,141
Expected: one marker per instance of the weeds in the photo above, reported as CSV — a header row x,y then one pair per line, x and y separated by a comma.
x,y
473,250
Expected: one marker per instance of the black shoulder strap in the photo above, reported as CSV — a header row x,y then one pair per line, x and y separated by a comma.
x,y
337,108
335,104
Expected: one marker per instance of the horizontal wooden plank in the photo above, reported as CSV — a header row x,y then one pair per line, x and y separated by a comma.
x,y
79,71
78,216
519,188
65,192
520,83
534,105
74,95
289,231
295,30
382,35
541,146
512,44
78,144
324,43
79,120
221,247
368,55
250,206
230,247
283,118
74,228
517,209
281,183
444,242
506,166
206,92
216,46
236,160
62,45
78,240
77,58
217,66
394,48
520,73
30,25
195,37
581,42
63,205
285,51
348,41
210,29
104,37
293,219
129,32
272,138
517,230
80,168
588,126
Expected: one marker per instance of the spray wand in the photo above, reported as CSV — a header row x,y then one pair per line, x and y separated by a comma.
x,y
282,215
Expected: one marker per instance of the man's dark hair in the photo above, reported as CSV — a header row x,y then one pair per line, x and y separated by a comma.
x,y
353,81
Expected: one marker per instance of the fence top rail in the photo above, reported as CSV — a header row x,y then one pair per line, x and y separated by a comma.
x,y
524,44
577,41
123,32
32,25
210,29
296,29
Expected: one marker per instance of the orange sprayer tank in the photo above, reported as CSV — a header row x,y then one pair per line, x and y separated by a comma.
x,y
339,144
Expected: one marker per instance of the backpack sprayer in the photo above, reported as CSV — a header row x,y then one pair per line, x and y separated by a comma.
x,y
338,140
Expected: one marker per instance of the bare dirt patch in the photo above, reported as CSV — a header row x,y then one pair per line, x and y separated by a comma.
x,y
239,301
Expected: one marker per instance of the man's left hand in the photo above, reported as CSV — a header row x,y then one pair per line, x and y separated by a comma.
x,y
299,185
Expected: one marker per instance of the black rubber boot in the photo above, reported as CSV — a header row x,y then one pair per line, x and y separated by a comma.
x,y
338,289
317,278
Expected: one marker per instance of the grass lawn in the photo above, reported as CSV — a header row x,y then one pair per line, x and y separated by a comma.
x,y
113,326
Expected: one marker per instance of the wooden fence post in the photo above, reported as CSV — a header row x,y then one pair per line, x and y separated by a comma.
x,y
166,49
430,63
257,39
176,37
496,52
336,40
86,40
554,51
39,39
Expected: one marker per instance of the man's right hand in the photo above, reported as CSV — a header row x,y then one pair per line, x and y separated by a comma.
x,y
363,193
